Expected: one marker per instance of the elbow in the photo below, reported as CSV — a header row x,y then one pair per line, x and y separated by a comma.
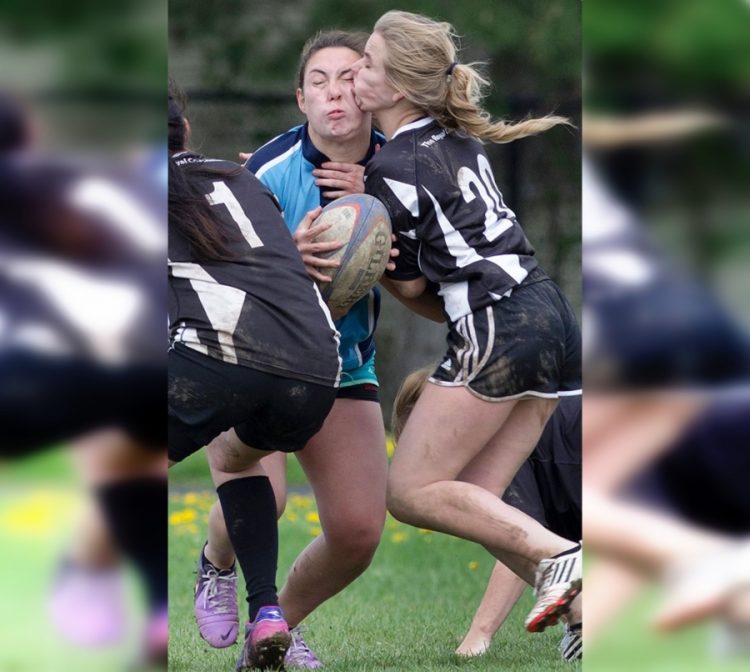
x,y
411,289
410,292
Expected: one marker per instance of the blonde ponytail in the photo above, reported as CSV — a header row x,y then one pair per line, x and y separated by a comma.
x,y
421,63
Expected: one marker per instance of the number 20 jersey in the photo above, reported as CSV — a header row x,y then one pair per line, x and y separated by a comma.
x,y
451,222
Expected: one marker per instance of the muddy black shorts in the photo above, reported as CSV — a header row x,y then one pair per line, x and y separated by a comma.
x,y
525,345
49,399
268,412
547,487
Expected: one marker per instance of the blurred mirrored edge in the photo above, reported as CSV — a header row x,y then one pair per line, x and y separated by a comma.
x,y
652,569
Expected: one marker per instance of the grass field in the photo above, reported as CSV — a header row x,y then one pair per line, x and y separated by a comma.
x,y
410,609
39,504
407,612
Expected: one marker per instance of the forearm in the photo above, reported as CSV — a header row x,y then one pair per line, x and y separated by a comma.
x,y
427,304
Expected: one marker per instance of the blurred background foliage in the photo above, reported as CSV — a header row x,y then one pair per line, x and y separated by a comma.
x,y
686,49
691,191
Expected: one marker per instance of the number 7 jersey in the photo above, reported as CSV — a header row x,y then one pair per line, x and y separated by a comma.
x,y
451,222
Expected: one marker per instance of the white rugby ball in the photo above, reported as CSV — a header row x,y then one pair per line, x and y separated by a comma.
x,y
362,223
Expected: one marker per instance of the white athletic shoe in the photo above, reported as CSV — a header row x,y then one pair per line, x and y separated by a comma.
x,y
558,582
571,645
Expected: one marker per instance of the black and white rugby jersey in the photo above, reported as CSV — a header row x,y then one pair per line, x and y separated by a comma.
x,y
452,224
82,243
261,309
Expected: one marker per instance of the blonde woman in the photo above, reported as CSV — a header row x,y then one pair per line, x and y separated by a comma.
x,y
513,341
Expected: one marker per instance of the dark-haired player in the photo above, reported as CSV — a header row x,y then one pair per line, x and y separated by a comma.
x,y
253,350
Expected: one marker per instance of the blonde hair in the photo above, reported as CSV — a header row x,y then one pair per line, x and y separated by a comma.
x,y
421,63
406,399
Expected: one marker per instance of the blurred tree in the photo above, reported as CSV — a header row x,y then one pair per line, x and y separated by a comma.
x,y
233,45
641,52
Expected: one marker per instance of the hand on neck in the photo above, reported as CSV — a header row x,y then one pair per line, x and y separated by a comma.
x,y
350,149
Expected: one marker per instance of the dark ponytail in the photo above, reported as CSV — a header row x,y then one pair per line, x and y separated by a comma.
x,y
191,216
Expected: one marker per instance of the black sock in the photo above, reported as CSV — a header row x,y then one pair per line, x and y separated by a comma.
x,y
570,551
136,513
249,509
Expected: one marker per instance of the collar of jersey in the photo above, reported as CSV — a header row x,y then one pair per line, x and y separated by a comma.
x,y
413,125
317,158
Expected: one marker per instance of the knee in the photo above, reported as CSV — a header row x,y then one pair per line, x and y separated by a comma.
x,y
400,501
356,540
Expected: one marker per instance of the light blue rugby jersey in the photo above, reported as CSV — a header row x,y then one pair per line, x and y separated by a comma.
x,y
285,166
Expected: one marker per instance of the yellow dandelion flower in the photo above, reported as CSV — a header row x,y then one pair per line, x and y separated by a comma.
x,y
182,517
398,537
301,501
390,446
315,531
190,499
423,531
473,565
312,517
291,516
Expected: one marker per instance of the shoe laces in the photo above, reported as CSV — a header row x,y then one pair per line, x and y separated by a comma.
x,y
299,651
219,589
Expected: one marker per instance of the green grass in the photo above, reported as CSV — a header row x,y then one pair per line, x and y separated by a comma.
x,y
407,612
194,469
39,503
629,645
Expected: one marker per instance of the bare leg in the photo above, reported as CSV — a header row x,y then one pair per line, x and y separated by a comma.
x,y
346,465
447,429
611,586
502,593
644,539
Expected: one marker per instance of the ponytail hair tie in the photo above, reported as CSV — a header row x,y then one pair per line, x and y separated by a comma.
x,y
449,71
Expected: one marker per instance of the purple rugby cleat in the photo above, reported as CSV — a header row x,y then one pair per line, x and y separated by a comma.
x,y
87,605
300,656
216,604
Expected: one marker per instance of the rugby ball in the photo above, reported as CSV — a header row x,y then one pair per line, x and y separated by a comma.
x,y
362,223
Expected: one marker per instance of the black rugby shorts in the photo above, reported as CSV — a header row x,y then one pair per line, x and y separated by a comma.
x,y
525,345
268,412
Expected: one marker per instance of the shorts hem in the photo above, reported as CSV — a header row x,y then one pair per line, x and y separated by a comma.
x,y
511,397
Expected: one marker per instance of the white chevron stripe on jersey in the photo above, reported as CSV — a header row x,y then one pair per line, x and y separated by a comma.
x,y
465,254
121,210
455,295
511,264
223,304
406,193
188,336
112,305
277,160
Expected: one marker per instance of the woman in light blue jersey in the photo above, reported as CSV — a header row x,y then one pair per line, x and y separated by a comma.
x,y
306,168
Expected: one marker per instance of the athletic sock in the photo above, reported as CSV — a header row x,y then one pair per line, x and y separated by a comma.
x,y
570,551
249,509
136,514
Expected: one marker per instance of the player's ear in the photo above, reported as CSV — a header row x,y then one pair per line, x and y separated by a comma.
x,y
301,101
397,96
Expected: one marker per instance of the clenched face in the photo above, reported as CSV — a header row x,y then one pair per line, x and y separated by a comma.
x,y
370,87
327,94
